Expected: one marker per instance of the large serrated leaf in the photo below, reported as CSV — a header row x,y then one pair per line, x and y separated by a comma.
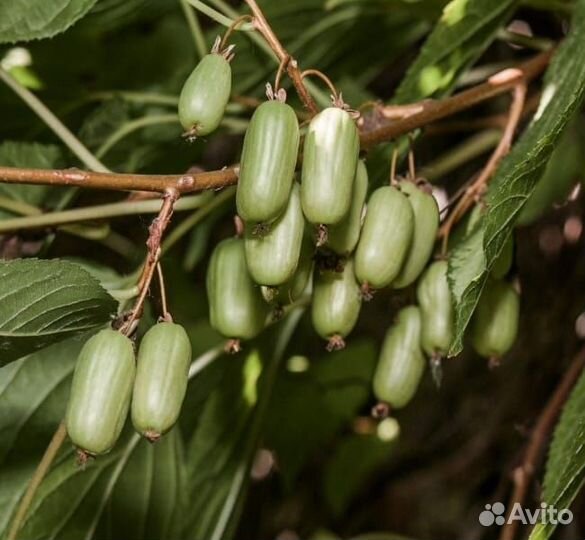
x,y
24,20
224,444
515,179
462,33
565,467
42,302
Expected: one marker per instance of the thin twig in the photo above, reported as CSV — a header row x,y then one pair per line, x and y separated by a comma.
x,y
159,183
292,66
524,473
40,472
478,186
155,234
429,111
166,316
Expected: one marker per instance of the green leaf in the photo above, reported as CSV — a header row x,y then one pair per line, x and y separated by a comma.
x,y
350,467
225,441
565,466
136,488
462,33
42,302
33,393
24,20
334,385
515,179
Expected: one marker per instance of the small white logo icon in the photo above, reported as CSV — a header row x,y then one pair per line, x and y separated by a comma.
x,y
493,513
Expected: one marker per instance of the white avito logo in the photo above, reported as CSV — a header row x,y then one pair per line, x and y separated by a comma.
x,y
495,514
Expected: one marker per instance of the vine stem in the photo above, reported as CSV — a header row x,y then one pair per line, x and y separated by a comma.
x,y
419,115
524,473
42,468
37,219
292,66
478,187
429,111
195,29
157,183
155,234
41,110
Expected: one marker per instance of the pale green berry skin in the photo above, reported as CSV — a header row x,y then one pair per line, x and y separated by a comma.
x,y
495,321
291,291
161,381
330,157
273,257
336,302
436,308
268,162
236,307
402,362
100,392
205,95
343,237
385,238
426,225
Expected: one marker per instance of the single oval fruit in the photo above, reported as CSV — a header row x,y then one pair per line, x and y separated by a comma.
x,y
269,158
426,224
495,321
401,363
343,237
100,392
205,95
273,257
385,238
330,156
436,308
292,290
236,307
161,380
336,305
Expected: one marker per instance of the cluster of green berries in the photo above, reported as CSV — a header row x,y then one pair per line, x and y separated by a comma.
x,y
109,380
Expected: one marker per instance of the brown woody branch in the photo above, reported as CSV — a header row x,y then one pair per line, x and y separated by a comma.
x,y
477,189
291,65
524,473
419,115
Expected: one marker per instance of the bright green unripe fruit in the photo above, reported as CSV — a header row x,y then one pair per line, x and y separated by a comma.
x,y
343,237
336,305
401,362
100,392
269,158
236,307
205,95
162,373
495,321
273,257
292,290
330,156
426,224
385,238
436,308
